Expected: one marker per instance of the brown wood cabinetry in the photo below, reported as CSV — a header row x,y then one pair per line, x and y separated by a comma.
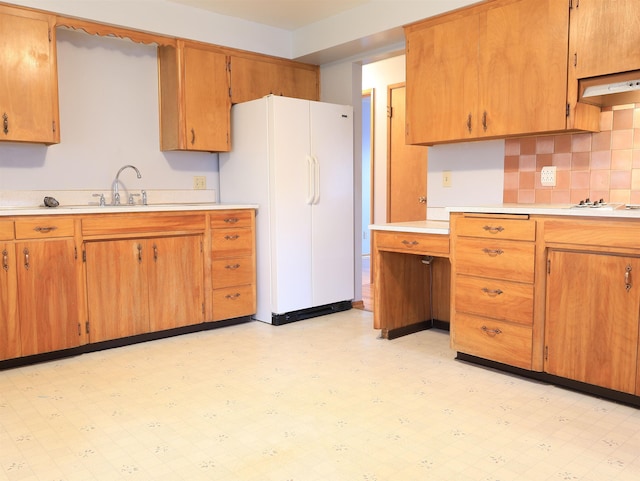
x,y
48,270
493,287
253,77
490,70
412,277
233,273
150,282
9,321
605,37
28,84
593,308
195,106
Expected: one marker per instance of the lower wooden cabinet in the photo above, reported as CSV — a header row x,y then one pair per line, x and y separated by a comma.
x,y
593,308
135,286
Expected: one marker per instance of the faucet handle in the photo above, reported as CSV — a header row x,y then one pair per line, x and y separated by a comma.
x,y
131,200
102,201
144,197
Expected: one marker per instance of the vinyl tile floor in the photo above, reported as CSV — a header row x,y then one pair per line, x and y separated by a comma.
x,y
320,399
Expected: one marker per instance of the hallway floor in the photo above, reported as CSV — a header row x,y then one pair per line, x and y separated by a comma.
x,y
320,399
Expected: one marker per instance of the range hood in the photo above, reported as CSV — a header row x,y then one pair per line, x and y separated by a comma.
x,y
608,90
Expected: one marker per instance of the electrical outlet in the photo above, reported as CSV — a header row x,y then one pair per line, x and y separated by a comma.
x,y
199,182
446,178
548,176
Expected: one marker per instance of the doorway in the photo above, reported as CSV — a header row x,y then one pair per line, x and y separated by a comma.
x,y
368,99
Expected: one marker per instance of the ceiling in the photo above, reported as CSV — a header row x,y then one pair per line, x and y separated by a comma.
x,y
284,14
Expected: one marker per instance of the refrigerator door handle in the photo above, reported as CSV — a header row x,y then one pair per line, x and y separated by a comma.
x,y
316,177
311,184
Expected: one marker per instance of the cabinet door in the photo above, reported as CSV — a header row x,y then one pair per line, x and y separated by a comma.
x,y
9,321
254,78
206,98
523,67
592,318
606,35
442,81
47,295
117,295
176,282
28,84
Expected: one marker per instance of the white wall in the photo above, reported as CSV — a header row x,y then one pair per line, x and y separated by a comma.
x,y
108,90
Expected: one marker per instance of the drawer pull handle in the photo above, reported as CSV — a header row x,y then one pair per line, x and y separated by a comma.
x,y
492,252
232,267
45,230
627,278
491,332
231,237
493,230
492,292
232,297
410,243
231,220
5,260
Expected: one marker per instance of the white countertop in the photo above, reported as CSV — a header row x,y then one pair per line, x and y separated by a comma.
x,y
123,209
550,209
418,227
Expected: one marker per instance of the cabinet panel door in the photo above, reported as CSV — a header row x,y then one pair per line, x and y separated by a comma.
x,y
592,318
117,289
47,295
176,282
442,81
607,36
28,86
523,67
206,98
9,321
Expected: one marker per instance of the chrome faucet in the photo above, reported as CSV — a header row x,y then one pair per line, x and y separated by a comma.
x,y
115,194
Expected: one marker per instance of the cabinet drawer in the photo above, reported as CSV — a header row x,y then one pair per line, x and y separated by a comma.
x,y
495,340
232,271
6,229
233,302
426,244
231,218
501,259
44,227
232,242
496,228
511,301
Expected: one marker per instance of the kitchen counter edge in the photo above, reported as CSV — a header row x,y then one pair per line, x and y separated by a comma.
x,y
417,227
23,211
548,209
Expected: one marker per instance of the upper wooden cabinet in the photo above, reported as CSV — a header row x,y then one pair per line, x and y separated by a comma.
x,y
195,108
605,37
28,84
491,70
253,77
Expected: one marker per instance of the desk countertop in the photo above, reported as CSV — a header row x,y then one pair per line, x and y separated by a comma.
x,y
418,227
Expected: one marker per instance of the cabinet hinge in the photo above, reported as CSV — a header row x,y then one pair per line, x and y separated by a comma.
x,y
229,92
86,327
79,330
546,353
568,110
49,34
548,266
53,126
201,243
84,256
75,253
575,59
389,111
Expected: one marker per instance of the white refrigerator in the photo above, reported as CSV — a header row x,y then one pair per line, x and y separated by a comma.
x,y
294,158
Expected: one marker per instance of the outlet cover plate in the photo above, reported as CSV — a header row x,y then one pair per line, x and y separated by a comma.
x,y
548,176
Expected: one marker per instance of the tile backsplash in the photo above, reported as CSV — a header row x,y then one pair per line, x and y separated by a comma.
x,y
598,165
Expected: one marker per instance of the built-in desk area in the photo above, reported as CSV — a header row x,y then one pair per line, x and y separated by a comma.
x,y
411,270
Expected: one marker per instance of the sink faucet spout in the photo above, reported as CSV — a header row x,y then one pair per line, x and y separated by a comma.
x,y
116,192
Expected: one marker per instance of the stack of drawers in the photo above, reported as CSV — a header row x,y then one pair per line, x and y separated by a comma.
x,y
233,275
493,283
